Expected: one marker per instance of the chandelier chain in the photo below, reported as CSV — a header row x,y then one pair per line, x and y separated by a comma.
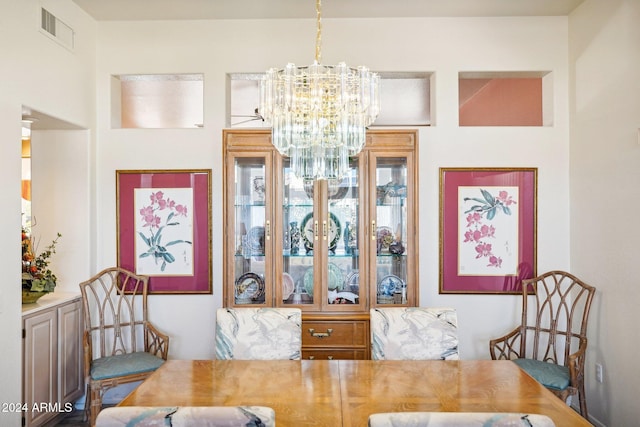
x,y
318,31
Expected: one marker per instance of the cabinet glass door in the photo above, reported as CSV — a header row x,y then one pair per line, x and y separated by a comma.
x,y
299,239
389,239
321,250
343,254
252,228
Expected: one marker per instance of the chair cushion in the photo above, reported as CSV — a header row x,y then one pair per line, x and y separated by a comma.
x,y
124,364
458,419
548,374
186,416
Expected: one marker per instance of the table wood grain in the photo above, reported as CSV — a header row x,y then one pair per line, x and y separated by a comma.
x,y
345,392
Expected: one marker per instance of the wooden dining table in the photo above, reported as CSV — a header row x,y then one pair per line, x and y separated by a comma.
x,y
345,392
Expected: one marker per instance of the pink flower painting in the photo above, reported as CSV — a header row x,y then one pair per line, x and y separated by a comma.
x,y
165,229
488,226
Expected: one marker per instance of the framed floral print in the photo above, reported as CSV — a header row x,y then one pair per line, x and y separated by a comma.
x,y
487,229
164,228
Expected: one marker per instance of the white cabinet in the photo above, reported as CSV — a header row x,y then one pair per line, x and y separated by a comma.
x,y
52,358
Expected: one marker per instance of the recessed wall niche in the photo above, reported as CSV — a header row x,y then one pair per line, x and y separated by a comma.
x,y
405,99
505,98
153,101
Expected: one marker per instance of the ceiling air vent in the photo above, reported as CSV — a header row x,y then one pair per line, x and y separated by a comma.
x,y
56,29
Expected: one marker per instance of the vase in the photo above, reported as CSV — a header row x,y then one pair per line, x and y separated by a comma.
x,y
294,235
30,297
259,189
345,237
286,242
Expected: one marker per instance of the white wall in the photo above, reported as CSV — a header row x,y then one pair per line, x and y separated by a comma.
x,y
441,46
605,154
60,202
39,73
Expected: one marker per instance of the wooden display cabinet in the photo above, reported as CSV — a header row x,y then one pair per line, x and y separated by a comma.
x,y
334,248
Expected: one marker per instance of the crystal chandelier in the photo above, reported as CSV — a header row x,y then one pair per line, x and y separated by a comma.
x,y
319,113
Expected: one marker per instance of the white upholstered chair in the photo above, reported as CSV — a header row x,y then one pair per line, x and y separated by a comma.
x,y
414,333
458,419
187,416
249,333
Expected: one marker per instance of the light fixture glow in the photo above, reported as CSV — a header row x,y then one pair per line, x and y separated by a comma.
x,y
319,113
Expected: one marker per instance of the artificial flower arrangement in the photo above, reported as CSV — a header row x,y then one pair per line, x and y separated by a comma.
x,y
36,275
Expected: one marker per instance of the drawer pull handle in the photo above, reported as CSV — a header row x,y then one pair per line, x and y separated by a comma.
x,y
320,334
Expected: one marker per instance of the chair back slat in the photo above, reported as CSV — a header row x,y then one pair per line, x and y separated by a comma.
x,y
115,312
555,309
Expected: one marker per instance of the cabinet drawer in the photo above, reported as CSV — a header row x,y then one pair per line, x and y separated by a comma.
x,y
351,333
343,354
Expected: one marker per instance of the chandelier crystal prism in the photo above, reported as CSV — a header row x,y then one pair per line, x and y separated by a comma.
x,y
319,113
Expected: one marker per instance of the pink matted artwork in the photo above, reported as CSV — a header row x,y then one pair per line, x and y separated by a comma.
x,y
487,229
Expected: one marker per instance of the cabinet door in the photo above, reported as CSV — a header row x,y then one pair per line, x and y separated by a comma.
x,y
320,249
70,372
40,366
393,251
299,240
249,239
346,254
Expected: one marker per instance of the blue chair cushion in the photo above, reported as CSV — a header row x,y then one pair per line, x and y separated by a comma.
x,y
124,364
548,374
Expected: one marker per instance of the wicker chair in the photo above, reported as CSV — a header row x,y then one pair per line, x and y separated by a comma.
x,y
414,333
249,333
551,342
120,344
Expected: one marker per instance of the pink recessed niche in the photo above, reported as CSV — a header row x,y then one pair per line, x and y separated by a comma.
x,y
501,101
